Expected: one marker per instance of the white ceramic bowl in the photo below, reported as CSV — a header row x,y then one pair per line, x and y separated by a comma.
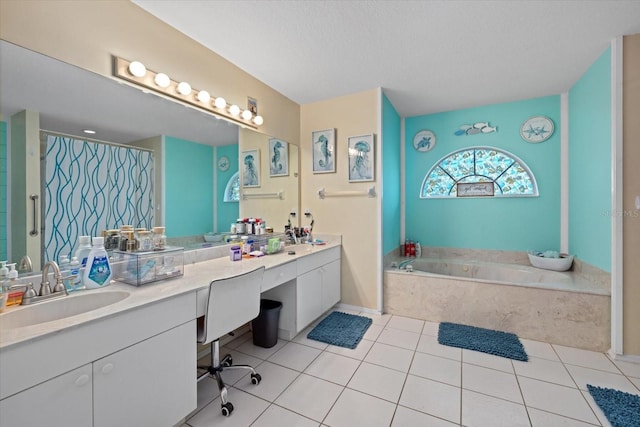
x,y
556,264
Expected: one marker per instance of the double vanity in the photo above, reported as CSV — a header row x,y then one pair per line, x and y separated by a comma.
x,y
125,355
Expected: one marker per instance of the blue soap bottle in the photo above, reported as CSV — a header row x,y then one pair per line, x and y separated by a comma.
x,y
97,272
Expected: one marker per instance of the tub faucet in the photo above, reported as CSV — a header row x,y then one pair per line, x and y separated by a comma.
x,y
403,265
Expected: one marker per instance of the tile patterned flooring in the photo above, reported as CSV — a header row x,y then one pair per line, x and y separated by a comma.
x,y
400,376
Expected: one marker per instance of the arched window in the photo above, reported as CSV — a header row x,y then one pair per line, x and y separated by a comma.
x,y
232,190
510,176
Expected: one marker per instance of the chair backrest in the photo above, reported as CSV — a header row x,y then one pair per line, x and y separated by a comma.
x,y
232,302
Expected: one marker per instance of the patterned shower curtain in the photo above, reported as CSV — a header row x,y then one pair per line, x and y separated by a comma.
x,y
90,187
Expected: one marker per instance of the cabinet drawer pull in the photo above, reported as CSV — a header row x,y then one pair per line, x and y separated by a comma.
x,y
106,369
82,380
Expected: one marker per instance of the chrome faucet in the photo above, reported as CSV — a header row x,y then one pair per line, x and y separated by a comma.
x,y
403,265
45,287
26,266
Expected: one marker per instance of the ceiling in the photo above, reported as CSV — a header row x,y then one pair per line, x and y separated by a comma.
x,y
70,99
428,56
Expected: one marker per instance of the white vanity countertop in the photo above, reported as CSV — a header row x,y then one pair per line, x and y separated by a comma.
x,y
196,276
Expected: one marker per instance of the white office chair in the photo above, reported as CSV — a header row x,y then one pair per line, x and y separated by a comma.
x,y
232,303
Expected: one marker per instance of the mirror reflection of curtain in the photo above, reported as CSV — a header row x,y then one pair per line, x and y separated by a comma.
x,y
91,187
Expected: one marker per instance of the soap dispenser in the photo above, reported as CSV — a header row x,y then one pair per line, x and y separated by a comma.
x,y
4,292
4,271
13,297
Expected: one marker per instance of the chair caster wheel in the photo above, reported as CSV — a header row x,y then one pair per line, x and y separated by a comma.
x,y
227,409
255,379
228,361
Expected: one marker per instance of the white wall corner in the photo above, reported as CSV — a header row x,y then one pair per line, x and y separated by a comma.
x,y
379,199
616,197
564,172
403,184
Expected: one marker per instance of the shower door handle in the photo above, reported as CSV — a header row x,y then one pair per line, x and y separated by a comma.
x,y
34,198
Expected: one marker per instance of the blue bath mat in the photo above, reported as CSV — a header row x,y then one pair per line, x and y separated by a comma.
x,y
499,343
621,409
341,329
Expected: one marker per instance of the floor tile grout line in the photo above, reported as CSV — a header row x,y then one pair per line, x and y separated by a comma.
x,y
524,402
593,411
461,382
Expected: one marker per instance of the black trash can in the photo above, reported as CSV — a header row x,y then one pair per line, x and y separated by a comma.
x,y
265,326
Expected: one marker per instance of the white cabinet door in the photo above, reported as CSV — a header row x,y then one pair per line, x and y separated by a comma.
x,y
308,298
330,285
64,400
152,383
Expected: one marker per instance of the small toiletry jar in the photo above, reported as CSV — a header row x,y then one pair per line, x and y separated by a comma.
x,y
142,267
235,253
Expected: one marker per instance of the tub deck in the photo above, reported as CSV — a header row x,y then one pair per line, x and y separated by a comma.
x,y
575,313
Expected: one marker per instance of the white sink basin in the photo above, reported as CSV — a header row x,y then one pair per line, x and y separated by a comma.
x,y
60,308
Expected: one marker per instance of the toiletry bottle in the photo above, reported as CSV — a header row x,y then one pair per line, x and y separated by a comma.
x,y
418,249
407,249
4,287
14,297
4,271
412,249
84,247
75,269
97,272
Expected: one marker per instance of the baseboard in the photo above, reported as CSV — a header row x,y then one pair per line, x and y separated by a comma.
x,y
624,357
356,308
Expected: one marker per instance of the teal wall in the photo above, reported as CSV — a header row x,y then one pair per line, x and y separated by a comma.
x,y
390,177
227,211
188,187
487,223
590,165
3,191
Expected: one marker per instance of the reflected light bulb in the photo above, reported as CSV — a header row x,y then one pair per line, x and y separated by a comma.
x,y
234,110
137,69
246,114
204,97
220,102
258,120
162,80
184,88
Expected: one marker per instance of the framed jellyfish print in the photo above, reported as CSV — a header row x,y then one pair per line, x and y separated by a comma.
x,y
324,147
361,158
278,157
250,166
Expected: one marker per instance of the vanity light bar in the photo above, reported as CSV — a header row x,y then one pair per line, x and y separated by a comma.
x,y
135,72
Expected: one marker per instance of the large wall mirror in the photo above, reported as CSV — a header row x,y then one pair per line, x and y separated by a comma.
x,y
196,156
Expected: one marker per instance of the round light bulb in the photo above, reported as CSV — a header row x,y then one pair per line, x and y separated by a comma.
x,y
184,88
137,69
246,114
258,120
234,110
162,80
204,97
220,102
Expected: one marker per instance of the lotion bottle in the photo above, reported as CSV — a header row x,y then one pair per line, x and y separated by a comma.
x,y
97,272
84,247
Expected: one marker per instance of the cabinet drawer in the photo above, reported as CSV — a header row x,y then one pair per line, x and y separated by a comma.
x,y
317,259
279,275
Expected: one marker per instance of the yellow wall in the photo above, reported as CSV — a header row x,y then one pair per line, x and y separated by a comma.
x,y
87,33
356,218
631,184
274,211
